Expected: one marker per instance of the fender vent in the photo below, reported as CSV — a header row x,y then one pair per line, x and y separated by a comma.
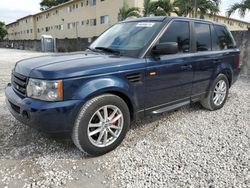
x,y
134,78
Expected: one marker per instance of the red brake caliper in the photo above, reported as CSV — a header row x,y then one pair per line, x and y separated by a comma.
x,y
115,123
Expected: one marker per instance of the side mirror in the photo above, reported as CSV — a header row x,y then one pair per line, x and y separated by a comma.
x,y
165,48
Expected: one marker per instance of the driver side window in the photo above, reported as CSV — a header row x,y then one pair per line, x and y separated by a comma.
x,y
178,32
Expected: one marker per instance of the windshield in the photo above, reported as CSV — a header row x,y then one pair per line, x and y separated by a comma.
x,y
127,38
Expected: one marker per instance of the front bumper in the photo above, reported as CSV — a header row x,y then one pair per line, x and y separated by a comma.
x,y
50,117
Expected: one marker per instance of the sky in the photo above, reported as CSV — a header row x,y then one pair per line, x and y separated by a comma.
x,y
11,10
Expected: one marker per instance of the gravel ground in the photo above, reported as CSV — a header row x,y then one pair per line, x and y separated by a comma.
x,y
190,147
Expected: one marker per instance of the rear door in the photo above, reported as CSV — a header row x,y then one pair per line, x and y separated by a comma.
x,y
205,59
169,77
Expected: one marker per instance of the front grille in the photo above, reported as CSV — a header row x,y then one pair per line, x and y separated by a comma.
x,y
19,83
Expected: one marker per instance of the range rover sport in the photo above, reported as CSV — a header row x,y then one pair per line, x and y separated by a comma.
x,y
135,68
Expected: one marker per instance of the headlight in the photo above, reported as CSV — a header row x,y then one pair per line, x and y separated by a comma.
x,y
45,90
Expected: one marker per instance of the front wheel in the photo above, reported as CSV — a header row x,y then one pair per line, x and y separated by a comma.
x,y
101,125
218,93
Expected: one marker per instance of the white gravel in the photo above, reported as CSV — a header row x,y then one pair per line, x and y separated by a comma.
x,y
191,147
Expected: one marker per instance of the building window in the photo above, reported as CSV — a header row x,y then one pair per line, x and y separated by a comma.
x,y
69,9
104,19
27,31
30,30
76,5
92,22
92,2
82,23
47,29
61,27
70,25
81,4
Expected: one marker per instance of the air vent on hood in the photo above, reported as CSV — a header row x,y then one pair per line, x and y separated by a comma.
x,y
134,77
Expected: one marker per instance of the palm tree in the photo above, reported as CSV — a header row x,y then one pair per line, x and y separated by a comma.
x,y
205,7
193,7
242,8
158,8
126,11
149,7
165,7
183,7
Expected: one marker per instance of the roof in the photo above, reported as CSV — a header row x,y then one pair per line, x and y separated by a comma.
x,y
42,12
162,18
55,7
233,19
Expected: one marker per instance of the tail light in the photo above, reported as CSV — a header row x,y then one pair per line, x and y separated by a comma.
x,y
238,61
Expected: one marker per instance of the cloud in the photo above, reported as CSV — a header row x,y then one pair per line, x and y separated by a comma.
x,y
225,5
11,10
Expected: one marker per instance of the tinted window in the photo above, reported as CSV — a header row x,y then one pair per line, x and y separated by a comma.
x,y
223,39
178,32
203,37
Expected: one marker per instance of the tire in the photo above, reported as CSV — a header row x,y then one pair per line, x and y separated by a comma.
x,y
210,101
91,119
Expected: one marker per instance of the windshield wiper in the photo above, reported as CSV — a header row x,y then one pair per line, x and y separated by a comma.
x,y
110,50
91,49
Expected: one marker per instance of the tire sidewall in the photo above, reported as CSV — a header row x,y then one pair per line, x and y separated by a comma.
x,y
219,77
84,141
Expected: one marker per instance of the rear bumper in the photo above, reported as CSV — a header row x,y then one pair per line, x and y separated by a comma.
x,y
50,117
236,75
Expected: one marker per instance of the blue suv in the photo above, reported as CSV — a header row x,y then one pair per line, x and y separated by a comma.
x,y
135,68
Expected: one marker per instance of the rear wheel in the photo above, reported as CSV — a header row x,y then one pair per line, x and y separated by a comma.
x,y
101,124
218,93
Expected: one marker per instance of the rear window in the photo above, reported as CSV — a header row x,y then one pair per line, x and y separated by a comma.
x,y
203,37
223,38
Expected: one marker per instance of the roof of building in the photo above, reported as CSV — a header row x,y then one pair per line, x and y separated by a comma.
x,y
73,1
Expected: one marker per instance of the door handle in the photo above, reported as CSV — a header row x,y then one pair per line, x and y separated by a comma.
x,y
186,67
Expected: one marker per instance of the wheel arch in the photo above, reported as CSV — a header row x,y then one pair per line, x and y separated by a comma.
x,y
227,70
115,86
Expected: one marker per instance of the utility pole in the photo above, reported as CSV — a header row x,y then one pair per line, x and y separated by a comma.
x,y
76,23
195,6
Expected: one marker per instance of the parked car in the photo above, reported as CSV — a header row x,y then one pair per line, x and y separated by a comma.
x,y
137,67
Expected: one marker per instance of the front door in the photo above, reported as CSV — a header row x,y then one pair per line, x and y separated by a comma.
x,y
169,77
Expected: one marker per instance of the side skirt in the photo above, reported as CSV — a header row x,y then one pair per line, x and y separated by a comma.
x,y
171,107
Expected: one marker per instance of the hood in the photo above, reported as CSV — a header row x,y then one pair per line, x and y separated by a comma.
x,y
68,65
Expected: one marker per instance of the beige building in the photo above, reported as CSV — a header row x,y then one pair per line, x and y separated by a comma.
x,y
84,18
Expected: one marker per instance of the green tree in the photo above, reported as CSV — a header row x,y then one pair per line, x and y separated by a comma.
x,y
207,7
165,8
126,11
46,4
149,7
242,8
193,7
183,7
158,8
3,31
